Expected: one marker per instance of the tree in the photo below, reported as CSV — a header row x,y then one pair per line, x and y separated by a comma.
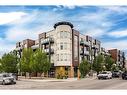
x,y
9,63
98,63
84,67
27,60
114,67
41,62
108,63
0,66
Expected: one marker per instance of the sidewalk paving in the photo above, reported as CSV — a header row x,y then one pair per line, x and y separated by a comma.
x,y
53,79
38,79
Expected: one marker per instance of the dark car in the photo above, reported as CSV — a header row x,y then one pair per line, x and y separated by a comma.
x,y
124,75
116,74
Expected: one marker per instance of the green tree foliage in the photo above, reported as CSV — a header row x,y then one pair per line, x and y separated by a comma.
x,y
27,60
84,67
98,63
114,67
41,62
0,66
108,63
9,63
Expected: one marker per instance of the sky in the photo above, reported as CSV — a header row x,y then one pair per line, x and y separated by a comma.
x,y
105,23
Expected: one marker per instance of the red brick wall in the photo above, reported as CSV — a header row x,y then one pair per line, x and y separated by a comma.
x,y
114,53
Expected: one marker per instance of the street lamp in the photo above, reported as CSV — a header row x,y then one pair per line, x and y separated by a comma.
x,y
78,74
19,53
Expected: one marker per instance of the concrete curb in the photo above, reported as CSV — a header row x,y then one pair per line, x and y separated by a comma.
x,y
50,80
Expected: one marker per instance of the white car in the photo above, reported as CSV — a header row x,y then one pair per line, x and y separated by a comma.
x,y
5,78
105,75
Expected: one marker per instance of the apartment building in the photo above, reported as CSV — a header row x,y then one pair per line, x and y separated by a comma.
x,y
23,44
118,56
105,52
65,46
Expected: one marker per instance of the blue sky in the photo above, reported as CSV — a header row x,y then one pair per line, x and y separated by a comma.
x,y
106,23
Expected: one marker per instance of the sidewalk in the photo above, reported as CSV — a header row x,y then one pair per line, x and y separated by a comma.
x,y
38,79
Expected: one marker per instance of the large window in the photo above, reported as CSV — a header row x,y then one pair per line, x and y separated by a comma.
x,y
57,57
64,34
61,34
61,46
63,57
65,45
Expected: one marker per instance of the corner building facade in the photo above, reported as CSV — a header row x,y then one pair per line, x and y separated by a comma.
x,y
66,48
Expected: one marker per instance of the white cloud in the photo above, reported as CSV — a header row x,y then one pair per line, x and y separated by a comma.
x,y
60,7
21,24
5,46
122,44
6,18
118,34
118,9
95,32
22,28
16,34
69,6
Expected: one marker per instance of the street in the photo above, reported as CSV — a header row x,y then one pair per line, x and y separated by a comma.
x,y
88,83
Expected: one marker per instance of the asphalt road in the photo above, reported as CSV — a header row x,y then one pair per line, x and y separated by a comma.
x,y
88,83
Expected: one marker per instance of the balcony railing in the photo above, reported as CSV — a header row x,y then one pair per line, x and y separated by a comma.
x,y
81,42
94,47
84,43
85,52
19,48
47,40
35,46
47,51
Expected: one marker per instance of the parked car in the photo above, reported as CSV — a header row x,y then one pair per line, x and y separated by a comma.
x,y
124,75
105,75
5,78
14,75
116,74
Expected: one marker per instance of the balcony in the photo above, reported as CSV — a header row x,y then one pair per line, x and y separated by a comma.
x,y
47,41
81,42
35,46
81,52
47,51
85,52
19,48
84,43
94,47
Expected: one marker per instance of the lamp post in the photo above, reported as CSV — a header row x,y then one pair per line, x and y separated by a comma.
x,y
78,74
19,52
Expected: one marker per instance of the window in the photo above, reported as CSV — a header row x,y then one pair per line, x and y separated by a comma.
x,y
57,57
65,57
61,46
61,57
64,34
61,34
65,45
81,39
